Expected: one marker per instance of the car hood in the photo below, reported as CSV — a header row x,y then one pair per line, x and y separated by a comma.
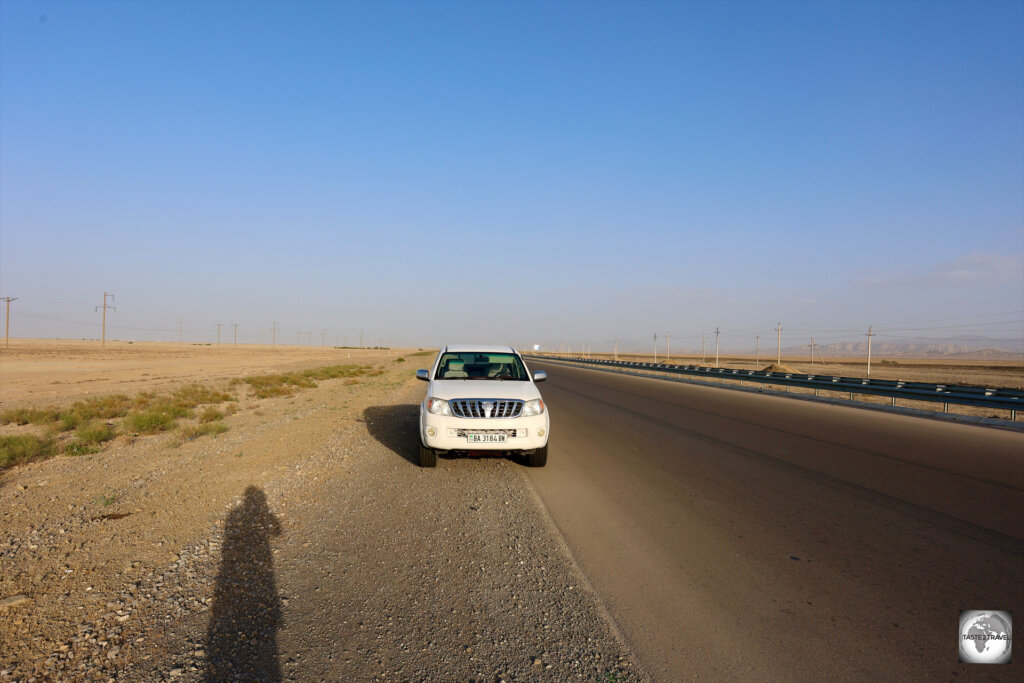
x,y
482,388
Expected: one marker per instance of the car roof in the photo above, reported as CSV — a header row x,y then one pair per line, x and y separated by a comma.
x,y
462,348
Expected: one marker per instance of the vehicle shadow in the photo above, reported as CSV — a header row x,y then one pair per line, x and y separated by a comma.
x,y
396,427
241,640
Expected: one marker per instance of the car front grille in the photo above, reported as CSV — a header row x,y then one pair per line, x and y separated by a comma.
x,y
484,407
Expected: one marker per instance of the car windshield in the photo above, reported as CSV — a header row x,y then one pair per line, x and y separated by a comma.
x,y
475,365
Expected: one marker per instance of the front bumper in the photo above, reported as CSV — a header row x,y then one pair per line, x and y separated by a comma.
x,y
448,433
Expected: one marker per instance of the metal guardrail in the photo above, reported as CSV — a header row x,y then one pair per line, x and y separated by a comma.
x,y
1004,399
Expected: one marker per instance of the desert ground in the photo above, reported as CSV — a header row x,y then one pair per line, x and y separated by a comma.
x,y
36,372
113,561
279,546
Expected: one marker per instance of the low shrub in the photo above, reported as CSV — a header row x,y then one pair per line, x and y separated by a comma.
x,y
286,384
78,447
211,415
95,432
193,433
151,421
23,448
97,408
24,416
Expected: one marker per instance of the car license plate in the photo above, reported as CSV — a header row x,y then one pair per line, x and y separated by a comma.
x,y
486,438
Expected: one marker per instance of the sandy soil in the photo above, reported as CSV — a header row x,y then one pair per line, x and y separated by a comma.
x,y
36,372
301,544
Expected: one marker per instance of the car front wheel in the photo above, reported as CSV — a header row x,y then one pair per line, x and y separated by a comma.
x,y
428,457
538,458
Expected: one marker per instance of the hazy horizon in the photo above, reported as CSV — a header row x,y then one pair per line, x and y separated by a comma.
x,y
534,173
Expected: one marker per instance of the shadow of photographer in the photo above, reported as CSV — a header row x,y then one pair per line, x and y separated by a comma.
x,y
241,640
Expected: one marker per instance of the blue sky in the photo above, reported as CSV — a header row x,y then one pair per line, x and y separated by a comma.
x,y
524,172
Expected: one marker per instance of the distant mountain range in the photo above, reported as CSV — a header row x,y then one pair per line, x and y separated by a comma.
x,y
973,347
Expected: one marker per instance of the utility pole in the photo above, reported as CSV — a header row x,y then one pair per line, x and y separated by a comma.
x,y
181,330
235,325
337,340
816,348
7,326
273,330
655,347
703,353
668,347
779,330
323,337
360,338
716,347
616,349
309,339
218,333
757,350
871,334
104,307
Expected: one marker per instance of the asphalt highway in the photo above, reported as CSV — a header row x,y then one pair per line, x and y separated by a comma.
x,y
735,535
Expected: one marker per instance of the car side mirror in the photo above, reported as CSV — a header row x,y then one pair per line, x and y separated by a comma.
x,y
540,376
423,375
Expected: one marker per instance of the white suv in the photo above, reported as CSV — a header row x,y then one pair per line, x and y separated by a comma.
x,y
482,398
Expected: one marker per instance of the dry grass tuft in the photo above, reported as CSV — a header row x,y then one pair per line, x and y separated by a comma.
x,y
211,415
15,450
151,421
95,432
194,432
286,384
24,416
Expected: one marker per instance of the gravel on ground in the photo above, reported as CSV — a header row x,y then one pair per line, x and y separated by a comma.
x,y
302,544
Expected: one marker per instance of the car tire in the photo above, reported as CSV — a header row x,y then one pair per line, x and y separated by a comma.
x,y
538,458
428,457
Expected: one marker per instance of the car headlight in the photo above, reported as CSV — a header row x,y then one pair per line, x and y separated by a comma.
x,y
534,407
438,406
